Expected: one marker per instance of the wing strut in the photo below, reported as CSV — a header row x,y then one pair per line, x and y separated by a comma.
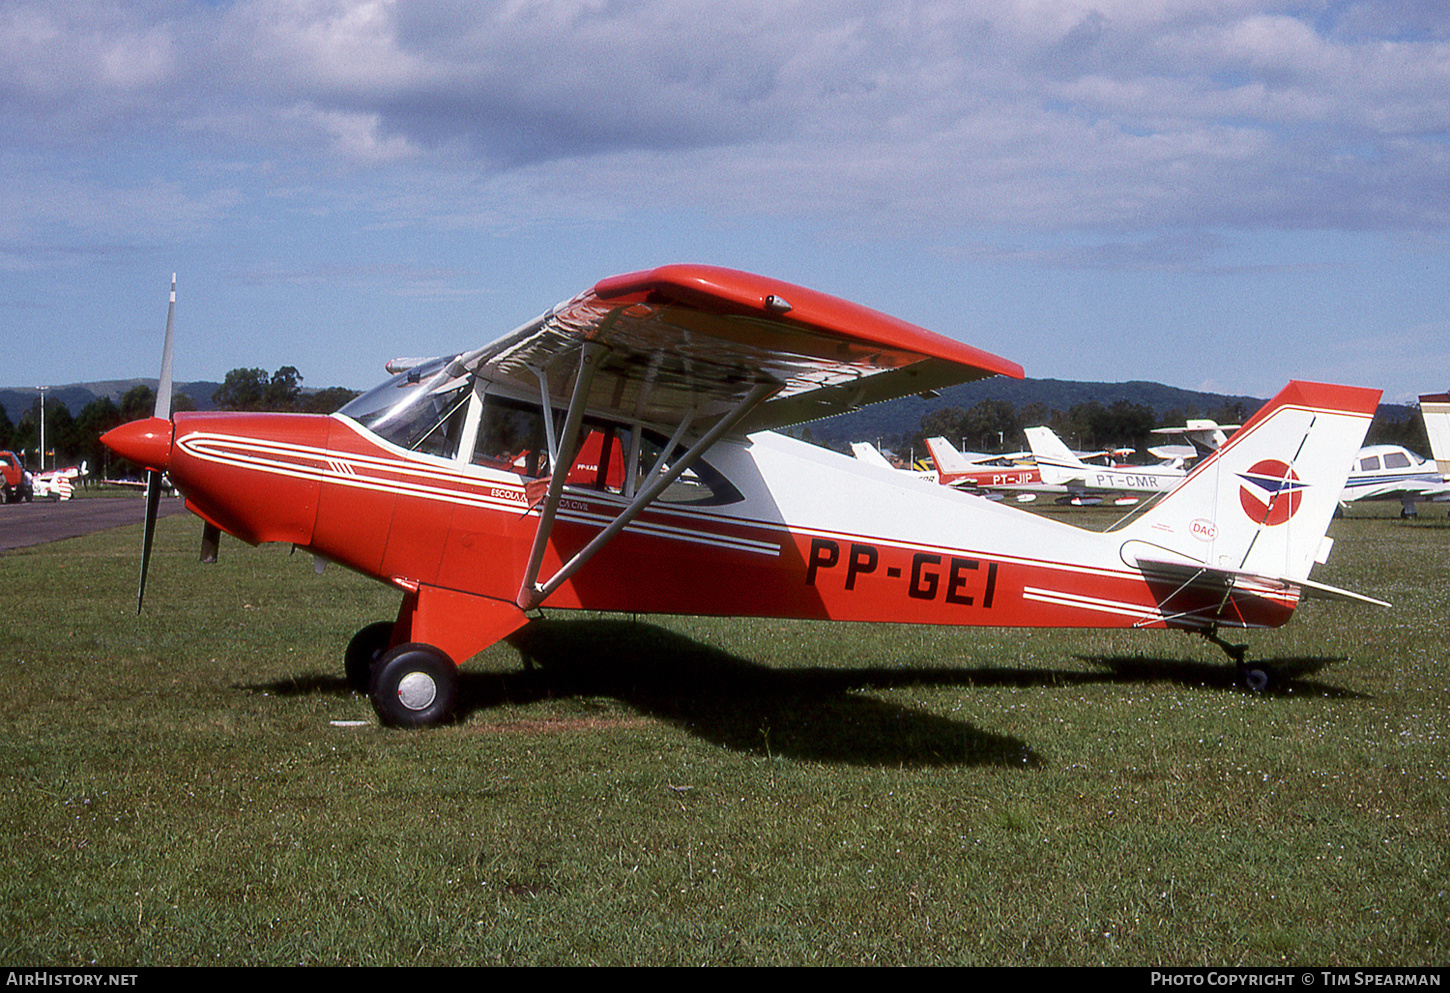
x,y
591,355
531,592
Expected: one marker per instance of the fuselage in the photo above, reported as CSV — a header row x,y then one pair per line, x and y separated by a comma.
x,y
996,477
752,534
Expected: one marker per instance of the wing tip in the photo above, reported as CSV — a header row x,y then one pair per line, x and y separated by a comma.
x,y
734,289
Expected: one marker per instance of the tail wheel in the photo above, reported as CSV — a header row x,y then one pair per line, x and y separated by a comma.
x,y
414,686
1256,678
366,647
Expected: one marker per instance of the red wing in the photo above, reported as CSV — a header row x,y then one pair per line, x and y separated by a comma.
x,y
685,338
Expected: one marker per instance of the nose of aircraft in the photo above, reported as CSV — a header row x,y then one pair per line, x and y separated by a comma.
x,y
146,443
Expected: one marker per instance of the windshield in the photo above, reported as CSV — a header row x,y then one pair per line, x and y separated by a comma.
x,y
420,410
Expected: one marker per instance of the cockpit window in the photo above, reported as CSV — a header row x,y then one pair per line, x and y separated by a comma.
x,y
421,410
1396,460
425,410
511,437
701,485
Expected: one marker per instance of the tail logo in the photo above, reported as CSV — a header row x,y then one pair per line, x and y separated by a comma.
x,y
1271,492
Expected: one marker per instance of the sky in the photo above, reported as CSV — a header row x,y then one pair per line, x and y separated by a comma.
x,y
1212,194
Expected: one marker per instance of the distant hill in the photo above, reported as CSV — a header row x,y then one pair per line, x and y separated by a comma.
x,y
18,399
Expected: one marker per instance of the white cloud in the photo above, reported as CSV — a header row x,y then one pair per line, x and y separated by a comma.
x,y
941,113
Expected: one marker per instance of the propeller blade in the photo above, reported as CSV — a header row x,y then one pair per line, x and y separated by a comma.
x,y
211,537
153,476
153,504
163,387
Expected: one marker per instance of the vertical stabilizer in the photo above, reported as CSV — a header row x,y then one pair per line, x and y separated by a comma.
x,y
947,458
870,454
1055,460
1262,503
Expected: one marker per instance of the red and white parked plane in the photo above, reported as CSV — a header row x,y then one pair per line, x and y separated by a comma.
x,y
58,484
441,483
986,474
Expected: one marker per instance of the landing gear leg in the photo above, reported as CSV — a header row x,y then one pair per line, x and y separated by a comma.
x,y
1254,675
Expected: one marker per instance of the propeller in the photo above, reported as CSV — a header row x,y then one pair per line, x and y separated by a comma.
x,y
153,476
148,443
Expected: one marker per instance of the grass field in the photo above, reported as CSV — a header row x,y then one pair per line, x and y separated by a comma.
x,y
724,792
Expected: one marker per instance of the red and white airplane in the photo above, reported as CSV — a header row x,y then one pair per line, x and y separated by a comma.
x,y
442,483
58,484
986,474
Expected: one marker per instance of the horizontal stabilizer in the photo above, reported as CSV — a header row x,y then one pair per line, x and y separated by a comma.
x,y
1198,574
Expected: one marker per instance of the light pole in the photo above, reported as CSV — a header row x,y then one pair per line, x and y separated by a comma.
x,y
42,390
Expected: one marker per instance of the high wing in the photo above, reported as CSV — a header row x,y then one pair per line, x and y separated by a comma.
x,y
692,342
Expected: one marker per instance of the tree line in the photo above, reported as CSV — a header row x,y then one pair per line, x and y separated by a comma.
x,y
989,426
74,438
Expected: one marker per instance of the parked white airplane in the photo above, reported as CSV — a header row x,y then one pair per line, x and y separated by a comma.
x,y
1058,465
1389,472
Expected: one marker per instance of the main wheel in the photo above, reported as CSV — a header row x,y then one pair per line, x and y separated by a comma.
x,y
414,686
366,647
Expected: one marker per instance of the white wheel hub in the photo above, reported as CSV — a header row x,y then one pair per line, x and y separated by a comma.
x,y
417,691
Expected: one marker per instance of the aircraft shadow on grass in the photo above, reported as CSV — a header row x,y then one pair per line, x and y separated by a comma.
x,y
811,714
1290,674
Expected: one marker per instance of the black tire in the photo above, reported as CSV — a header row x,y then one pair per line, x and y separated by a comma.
x,y
414,686
1257,678
366,647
